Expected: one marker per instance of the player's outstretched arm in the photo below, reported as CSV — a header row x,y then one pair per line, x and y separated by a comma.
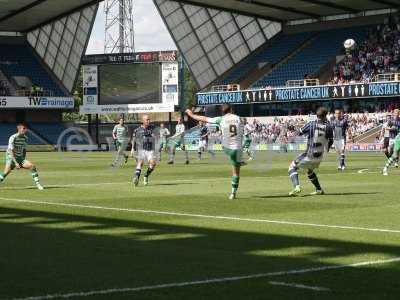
x,y
197,117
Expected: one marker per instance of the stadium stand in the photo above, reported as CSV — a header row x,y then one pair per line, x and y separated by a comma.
x,y
275,130
270,129
51,132
379,53
19,60
8,129
280,47
327,44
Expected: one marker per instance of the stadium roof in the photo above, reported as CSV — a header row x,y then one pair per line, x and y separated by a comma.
x,y
24,15
290,10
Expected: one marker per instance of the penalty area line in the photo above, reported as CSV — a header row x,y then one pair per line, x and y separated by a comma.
x,y
200,216
111,291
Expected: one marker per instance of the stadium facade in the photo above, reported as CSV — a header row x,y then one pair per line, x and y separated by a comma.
x,y
42,43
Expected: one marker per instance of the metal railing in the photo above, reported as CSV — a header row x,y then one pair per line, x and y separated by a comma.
x,y
226,88
303,82
40,93
387,77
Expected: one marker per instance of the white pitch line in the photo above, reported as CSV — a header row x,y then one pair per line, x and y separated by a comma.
x,y
166,182
83,294
214,217
300,286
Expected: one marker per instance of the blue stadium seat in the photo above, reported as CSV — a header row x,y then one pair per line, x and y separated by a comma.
x,y
9,129
53,131
309,60
19,60
281,47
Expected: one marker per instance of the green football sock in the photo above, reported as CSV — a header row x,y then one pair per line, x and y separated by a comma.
x,y
2,176
235,184
35,176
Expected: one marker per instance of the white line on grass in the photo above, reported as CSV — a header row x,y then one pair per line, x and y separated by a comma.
x,y
194,180
204,282
215,217
300,286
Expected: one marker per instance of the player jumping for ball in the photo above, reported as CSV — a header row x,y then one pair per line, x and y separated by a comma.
x,y
144,137
232,136
16,156
320,138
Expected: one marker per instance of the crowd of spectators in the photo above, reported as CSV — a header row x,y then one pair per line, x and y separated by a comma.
x,y
283,130
378,54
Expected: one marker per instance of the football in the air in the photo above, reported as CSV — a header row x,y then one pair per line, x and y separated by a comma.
x,y
349,44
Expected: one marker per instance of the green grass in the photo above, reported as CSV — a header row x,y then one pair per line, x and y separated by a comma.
x,y
48,248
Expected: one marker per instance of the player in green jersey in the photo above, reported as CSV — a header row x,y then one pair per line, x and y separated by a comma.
x,y
232,135
164,133
248,131
16,156
395,156
121,138
178,141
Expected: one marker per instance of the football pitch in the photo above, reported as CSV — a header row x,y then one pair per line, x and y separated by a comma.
x,y
91,235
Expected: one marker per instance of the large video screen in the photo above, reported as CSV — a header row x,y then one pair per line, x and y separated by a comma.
x,y
130,84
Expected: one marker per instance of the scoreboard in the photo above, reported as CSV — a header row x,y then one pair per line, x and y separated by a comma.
x,y
130,83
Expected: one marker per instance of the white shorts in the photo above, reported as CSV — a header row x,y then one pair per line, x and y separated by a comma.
x,y
391,142
307,163
202,144
147,156
340,145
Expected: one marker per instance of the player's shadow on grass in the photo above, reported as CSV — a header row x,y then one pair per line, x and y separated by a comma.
x,y
46,252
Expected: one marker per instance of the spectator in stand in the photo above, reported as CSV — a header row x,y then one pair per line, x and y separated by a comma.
x,y
378,54
282,130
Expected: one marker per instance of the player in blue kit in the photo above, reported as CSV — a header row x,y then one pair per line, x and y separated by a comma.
x,y
203,140
320,138
340,127
145,139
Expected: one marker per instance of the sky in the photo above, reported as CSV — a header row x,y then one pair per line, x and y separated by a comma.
x,y
150,31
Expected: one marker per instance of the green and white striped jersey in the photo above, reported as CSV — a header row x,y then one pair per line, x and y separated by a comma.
x,y
232,130
18,144
121,132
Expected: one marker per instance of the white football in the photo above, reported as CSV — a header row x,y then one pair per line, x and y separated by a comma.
x,y
349,44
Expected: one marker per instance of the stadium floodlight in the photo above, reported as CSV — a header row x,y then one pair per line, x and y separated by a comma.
x,y
119,26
